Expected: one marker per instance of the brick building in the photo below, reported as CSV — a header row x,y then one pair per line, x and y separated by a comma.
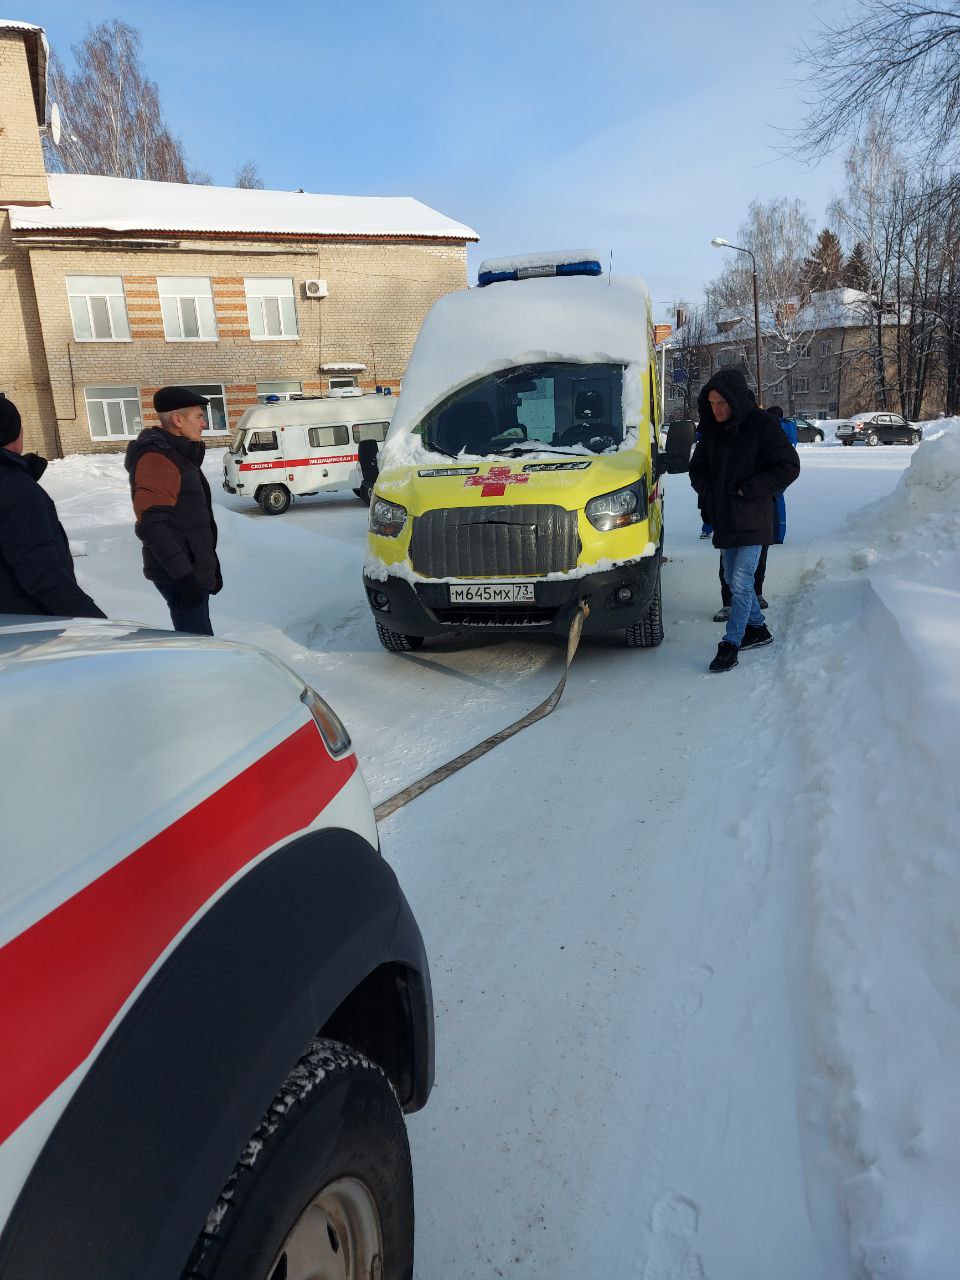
x,y
110,287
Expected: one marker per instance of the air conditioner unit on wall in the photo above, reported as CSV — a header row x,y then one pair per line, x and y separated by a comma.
x,y
315,288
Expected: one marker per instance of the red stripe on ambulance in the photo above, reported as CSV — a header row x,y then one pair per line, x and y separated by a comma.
x,y
63,980
299,462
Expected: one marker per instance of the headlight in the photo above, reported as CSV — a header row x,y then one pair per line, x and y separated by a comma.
x,y
620,508
386,518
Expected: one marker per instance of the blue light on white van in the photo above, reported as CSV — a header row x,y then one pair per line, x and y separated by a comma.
x,y
585,267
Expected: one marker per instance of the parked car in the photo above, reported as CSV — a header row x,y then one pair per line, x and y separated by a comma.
x,y
879,428
215,997
808,431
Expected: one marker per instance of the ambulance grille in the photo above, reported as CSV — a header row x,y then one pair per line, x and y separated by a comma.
x,y
492,542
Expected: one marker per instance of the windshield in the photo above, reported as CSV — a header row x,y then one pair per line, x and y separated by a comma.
x,y
567,408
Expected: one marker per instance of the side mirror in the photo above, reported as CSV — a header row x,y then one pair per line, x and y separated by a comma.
x,y
681,437
367,455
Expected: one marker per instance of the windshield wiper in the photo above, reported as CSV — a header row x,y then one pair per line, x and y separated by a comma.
x,y
436,448
518,452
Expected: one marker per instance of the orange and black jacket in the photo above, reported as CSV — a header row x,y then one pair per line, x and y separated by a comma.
x,y
173,509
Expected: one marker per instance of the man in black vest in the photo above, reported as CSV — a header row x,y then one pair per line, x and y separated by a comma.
x,y
36,567
173,509
741,463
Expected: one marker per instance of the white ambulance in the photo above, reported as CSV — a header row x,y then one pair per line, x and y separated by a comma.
x,y
304,446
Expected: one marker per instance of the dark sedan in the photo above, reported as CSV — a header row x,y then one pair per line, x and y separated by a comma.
x,y
879,428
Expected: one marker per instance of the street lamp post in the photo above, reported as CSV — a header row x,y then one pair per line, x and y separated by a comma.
x,y
719,243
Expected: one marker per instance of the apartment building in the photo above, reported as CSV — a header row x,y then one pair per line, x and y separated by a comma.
x,y
110,287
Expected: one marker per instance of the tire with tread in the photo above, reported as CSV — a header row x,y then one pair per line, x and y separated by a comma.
x,y
873,439
335,1122
648,632
396,642
915,437
274,499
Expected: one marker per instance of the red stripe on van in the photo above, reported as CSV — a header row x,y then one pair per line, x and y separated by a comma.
x,y
63,980
321,460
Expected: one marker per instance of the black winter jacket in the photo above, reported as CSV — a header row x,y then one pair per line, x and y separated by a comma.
x,y
173,508
36,567
739,466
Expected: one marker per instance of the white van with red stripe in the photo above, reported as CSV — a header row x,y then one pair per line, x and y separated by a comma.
x,y
304,446
215,999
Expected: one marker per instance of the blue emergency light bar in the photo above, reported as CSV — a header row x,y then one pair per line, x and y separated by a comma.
x,y
586,267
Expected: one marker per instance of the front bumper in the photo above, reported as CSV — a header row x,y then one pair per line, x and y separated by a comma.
x,y
424,608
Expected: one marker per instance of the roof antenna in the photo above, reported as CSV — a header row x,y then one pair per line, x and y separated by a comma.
x,y
610,271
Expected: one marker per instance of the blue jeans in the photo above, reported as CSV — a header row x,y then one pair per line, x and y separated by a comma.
x,y
193,618
739,566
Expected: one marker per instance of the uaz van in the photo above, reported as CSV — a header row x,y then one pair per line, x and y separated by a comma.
x,y
304,447
523,470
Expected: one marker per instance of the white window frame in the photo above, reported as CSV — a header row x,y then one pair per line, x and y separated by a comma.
x,y
116,311
342,380
131,430
282,396
261,290
191,290
203,389
826,346
801,385
825,382
803,351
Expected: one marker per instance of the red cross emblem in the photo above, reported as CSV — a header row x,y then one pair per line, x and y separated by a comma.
x,y
495,482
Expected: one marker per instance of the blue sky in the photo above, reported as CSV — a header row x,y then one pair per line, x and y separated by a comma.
x,y
640,128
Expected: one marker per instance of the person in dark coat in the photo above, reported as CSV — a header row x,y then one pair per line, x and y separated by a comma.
x,y
743,460
174,510
36,567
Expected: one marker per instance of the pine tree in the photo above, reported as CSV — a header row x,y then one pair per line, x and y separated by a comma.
x,y
856,269
823,269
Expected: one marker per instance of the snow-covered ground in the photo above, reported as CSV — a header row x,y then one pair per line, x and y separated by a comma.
x,y
694,940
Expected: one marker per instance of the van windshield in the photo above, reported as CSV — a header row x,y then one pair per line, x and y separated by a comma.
x,y
568,408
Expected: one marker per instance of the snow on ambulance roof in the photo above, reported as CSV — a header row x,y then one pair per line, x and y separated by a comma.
x,y
80,201
475,332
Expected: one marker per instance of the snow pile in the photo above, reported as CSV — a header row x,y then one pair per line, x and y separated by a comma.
x,y
474,333
876,671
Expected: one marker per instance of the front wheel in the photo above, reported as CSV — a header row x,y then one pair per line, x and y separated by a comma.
x,y
395,641
324,1187
648,632
873,439
915,437
274,499
818,437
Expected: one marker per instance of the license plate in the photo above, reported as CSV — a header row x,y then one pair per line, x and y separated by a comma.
x,y
490,592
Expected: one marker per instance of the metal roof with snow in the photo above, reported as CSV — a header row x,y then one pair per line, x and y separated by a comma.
x,y
88,204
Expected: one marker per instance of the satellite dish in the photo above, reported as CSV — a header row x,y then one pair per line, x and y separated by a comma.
x,y
55,124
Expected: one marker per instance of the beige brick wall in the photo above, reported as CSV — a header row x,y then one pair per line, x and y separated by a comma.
x,y
22,175
23,366
378,296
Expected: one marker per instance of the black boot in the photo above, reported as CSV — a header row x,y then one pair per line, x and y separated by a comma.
x,y
754,637
726,658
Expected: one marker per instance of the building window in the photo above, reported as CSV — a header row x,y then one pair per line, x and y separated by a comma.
x,y
342,382
187,306
801,386
826,347
270,306
279,390
98,308
824,383
323,437
217,410
113,412
370,431
803,351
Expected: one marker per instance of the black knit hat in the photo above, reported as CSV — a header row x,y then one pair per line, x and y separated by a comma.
x,y
169,399
10,424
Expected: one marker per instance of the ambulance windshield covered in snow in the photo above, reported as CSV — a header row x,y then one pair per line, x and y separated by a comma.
x,y
566,408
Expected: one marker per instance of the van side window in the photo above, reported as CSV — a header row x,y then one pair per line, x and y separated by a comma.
x,y
320,437
370,431
261,441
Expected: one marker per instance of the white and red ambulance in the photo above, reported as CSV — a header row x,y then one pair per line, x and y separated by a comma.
x,y
215,1000
304,447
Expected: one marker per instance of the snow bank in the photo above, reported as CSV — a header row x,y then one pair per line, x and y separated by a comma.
x,y
876,671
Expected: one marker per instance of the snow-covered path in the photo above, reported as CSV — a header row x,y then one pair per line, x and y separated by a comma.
x,y
624,906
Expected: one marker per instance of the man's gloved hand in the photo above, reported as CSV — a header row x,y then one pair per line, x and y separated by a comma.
x,y
190,591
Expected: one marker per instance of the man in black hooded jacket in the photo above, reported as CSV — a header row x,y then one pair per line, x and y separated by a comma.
x,y
36,567
742,461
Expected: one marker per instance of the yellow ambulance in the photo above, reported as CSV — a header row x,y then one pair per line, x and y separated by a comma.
x,y
523,469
